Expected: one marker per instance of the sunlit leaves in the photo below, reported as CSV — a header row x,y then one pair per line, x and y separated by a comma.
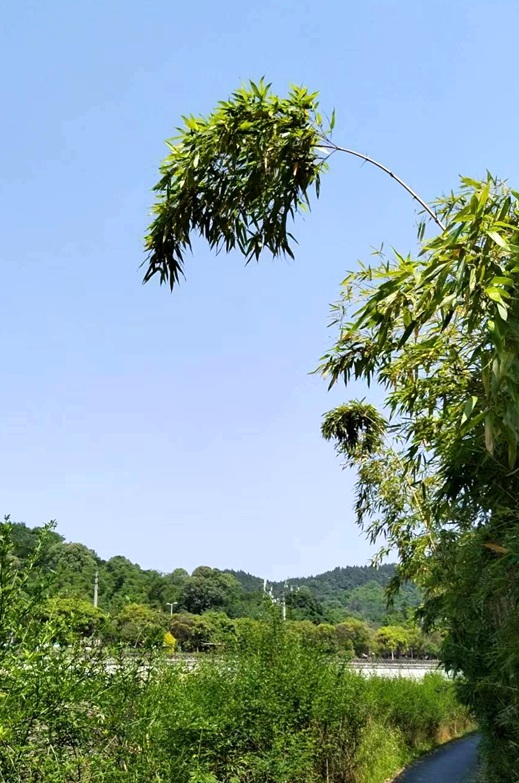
x,y
446,322
439,335
355,428
236,178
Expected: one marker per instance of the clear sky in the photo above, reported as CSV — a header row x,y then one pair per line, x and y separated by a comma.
x,y
183,429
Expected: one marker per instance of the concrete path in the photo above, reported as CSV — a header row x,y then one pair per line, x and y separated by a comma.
x,y
449,764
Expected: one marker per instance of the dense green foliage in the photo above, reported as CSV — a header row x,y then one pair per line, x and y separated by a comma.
x,y
439,333
439,479
206,610
331,597
236,179
272,708
347,591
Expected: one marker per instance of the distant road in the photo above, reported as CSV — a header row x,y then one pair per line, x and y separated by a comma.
x,y
451,763
414,670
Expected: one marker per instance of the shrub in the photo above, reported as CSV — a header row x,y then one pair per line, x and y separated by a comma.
x,y
274,709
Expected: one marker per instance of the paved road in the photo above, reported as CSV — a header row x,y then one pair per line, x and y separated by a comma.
x,y
413,670
450,764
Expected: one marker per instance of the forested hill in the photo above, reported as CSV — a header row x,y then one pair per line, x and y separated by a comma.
x,y
327,586
356,591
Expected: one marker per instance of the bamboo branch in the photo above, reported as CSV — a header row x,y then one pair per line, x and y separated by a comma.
x,y
329,145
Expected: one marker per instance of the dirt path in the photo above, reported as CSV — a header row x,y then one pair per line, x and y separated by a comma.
x,y
450,764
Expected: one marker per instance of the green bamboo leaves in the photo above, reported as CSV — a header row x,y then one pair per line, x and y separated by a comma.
x,y
237,178
357,428
442,330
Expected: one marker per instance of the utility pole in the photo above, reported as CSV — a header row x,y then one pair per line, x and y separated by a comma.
x,y
277,601
96,588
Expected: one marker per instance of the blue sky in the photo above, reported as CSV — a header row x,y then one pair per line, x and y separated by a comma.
x,y
183,429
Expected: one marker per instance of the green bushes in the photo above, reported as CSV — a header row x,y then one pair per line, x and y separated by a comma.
x,y
274,711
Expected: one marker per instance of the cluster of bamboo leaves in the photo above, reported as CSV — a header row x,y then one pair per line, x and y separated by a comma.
x,y
236,178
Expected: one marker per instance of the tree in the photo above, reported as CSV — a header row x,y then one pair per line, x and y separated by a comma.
x,y
208,588
324,638
27,540
169,642
192,632
391,639
138,626
122,582
439,332
302,605
72,618
165,588
439,479
223,630
357,633
75,570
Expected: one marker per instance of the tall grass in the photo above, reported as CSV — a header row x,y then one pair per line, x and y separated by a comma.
x,y
273,711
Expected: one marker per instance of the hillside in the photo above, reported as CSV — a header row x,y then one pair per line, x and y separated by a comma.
x,y
328,586
358,590
329,597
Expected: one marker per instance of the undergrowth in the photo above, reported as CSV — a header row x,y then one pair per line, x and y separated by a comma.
x,y
272,711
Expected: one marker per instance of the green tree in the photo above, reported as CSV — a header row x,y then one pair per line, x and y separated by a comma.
x,y
192,632
72,618
121,582
165,588
357,633
26,541
392,639
324,638
76,566
439,332
302,605
208,588
138,626
223,630
423,645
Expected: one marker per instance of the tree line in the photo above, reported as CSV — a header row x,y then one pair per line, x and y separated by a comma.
x,y
343,611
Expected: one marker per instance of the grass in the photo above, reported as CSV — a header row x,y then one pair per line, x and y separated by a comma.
x,y
273,711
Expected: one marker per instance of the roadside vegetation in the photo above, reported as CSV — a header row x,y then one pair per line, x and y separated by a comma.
x,y
272,708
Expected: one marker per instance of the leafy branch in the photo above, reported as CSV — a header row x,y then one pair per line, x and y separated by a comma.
x,y
240,176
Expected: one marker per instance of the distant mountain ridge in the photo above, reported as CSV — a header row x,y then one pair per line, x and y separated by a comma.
x,y
358,590
341,578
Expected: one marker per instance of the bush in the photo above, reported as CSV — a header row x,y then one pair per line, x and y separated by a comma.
x,y
137,625
272,710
